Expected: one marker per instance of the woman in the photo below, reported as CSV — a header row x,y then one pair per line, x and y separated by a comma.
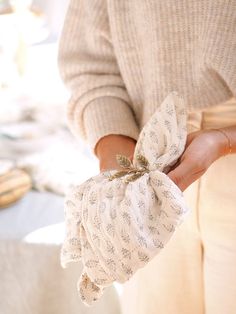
x,y
120,59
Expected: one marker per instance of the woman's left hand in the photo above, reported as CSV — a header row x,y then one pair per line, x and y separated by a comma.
x,y
202,149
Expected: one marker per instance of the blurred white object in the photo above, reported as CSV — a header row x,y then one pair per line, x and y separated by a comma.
x,y
25,131
18,30
8,47
32,280
54,12
14,107
5,166
52,234
60,165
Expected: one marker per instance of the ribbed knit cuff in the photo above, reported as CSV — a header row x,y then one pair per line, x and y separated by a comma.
x,y
108,115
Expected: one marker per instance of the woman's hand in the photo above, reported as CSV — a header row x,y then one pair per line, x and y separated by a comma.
x,y
111,145
202,149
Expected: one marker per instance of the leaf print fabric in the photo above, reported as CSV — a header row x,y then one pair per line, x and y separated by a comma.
x,y
117,226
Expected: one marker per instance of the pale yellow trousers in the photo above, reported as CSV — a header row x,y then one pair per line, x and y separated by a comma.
x,y
196,272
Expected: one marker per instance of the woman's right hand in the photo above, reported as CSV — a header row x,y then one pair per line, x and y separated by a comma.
x,y
111,145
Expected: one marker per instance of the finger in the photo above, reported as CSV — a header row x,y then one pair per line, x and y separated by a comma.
x,y
181,175
189,139
191,136
177,163
174,166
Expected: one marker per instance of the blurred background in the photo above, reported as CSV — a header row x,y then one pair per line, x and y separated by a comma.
x,y
39,160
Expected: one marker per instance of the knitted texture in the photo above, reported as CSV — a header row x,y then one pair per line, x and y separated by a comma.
x,y
121,58
116,225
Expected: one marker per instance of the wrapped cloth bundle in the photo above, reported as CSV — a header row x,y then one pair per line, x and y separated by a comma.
x,y
117,221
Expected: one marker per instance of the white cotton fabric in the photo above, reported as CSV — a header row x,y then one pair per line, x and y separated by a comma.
x,y
114,227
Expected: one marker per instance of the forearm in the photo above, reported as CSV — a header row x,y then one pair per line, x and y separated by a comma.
x,y
100,103
111,145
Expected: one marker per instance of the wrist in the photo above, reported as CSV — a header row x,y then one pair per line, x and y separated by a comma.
x,y
114,143
222,141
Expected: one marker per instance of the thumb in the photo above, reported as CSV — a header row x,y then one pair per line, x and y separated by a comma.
x,y
181,174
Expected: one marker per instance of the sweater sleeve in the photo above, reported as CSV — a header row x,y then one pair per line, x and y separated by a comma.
x,y
99,104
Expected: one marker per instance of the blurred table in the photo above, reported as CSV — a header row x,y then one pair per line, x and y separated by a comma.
x,y
32,280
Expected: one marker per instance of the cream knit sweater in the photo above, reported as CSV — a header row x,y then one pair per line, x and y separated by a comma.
x,y
120,59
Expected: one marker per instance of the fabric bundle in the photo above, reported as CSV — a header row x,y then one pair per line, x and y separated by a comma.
x,y
117,221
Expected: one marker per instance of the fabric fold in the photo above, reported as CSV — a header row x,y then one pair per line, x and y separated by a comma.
x,y
116,223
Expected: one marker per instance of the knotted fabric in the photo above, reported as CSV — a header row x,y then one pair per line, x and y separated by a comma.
x,y
117,221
